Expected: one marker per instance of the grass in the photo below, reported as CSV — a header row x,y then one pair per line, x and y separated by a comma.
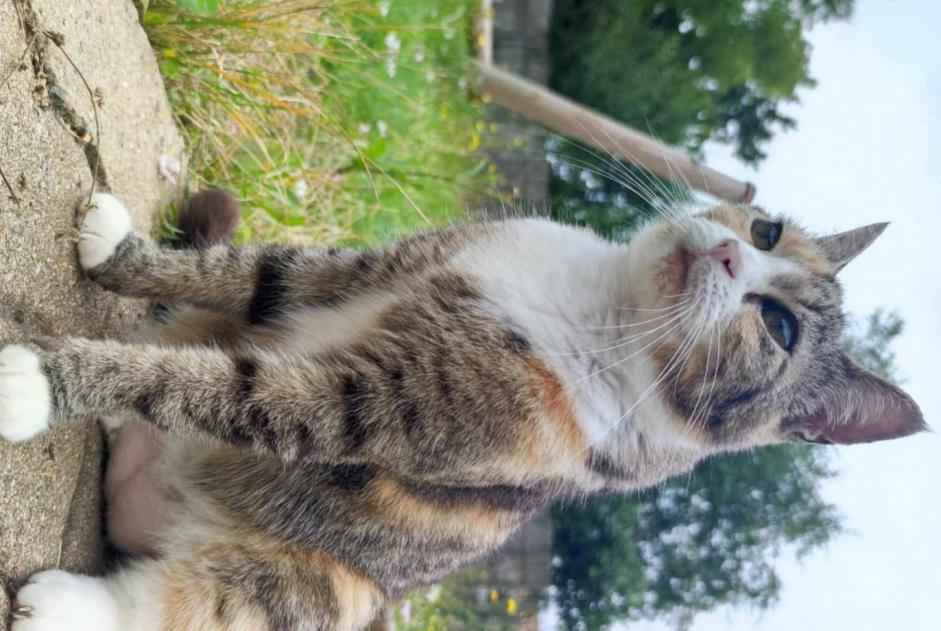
x,y
335,122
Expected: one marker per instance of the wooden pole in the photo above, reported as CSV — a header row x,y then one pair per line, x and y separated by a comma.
x,y
568,118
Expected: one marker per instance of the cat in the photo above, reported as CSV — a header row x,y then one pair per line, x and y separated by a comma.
x,y
320,430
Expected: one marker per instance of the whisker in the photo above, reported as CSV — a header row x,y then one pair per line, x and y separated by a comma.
x,y
637,352
622,342
687,343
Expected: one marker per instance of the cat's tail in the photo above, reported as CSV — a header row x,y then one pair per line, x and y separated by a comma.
x,y
208,218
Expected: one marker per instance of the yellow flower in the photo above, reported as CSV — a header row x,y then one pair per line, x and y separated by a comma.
x,y
474,142
511,606
494,596
479,125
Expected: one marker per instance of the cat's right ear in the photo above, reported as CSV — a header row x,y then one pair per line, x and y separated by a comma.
x,y
862,408
843,247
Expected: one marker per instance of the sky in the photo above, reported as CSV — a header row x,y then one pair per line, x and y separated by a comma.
x,y
868,149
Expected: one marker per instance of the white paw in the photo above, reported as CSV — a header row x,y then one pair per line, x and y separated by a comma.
x,y
58,601
105,226
25,405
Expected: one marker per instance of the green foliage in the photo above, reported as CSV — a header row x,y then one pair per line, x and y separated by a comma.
x,y
693,543
687,71
691,70
699,542
465,600
199,7
610,197
409,110
869,342
334,122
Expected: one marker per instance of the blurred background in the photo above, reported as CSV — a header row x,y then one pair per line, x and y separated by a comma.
x,y
350,122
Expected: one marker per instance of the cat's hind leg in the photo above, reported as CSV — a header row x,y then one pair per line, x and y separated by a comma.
x,y
235,581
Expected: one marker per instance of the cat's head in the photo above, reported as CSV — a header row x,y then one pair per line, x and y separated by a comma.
x,y
752,316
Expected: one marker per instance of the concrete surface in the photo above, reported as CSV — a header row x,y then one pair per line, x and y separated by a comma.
x,y
50,504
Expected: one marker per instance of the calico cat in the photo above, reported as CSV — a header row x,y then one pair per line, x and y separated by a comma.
x,y
321,430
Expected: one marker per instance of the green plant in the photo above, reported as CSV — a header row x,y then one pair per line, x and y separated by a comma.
x,y
334,122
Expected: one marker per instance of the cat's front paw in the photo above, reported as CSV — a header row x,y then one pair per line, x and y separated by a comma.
x,y
58,601
25,405
106,225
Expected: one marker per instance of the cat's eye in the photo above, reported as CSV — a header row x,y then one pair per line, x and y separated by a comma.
x,y
780,323
765,234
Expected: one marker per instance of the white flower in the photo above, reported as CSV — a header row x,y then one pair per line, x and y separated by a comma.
x,y
300,189
393,43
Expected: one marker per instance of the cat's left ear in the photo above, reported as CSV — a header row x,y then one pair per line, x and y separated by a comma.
x,y
843,247
863,408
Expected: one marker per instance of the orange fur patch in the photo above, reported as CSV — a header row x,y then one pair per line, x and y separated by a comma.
x,y
559,409
553,444
395,504
194,599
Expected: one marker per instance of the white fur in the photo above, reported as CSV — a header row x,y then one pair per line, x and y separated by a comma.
x,y
573,293
25,405
105,226
566,283
59,601
126,601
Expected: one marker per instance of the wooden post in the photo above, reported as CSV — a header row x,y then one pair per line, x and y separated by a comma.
x,y
568,118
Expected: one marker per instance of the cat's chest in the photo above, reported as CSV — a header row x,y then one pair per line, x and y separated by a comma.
x,y
560,288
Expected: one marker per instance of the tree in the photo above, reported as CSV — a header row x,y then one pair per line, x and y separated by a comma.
x,y
691,70
869,342
686,70
710,539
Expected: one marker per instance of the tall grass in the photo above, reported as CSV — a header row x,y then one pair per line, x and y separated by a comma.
x,y
334,121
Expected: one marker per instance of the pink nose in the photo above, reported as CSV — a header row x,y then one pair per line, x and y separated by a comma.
x,y
728,254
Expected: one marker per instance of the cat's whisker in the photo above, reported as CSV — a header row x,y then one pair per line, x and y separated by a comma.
x,y
631,182
683,359
632,185
677,326
657,183
667,312
648,310
688,342
611,161
617,168
698,415
625,341
715,376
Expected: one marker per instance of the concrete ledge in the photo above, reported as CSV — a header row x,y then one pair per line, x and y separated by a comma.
x,y
50,503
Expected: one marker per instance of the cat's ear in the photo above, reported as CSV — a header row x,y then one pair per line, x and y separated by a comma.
x,y
864,408
843,247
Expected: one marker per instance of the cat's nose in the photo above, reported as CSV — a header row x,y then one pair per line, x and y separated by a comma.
x,y
729,255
